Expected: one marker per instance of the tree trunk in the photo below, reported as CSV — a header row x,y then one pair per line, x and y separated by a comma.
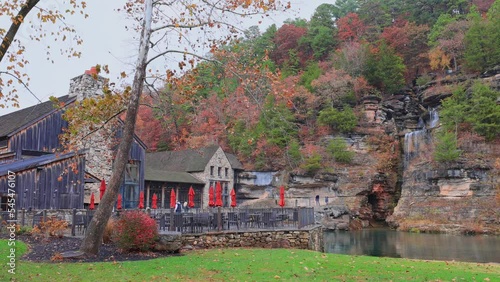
x,y
93,236
14,27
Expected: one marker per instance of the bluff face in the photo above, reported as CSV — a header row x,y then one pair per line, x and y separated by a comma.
x,y
393,179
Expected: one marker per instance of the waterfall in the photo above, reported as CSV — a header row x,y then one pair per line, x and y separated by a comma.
x,y
414,140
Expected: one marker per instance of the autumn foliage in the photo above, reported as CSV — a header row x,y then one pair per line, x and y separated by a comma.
x,y
135,231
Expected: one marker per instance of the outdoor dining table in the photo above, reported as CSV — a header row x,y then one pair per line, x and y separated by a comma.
x,y
282,217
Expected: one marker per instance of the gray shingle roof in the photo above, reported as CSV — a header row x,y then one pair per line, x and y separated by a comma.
x,y
190,160
12,122
170,176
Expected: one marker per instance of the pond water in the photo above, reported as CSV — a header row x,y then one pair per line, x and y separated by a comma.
x,y
390,243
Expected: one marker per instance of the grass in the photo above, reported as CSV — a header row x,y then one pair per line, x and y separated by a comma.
x,y
250,265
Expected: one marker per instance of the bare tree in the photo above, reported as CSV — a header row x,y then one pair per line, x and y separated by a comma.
x,y
180,18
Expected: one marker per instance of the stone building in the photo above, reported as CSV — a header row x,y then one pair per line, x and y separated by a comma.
x,y
197,168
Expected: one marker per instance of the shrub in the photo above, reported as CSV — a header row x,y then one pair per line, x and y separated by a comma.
x,y
338,149
135,230
52,227
20,230
312,164
344,121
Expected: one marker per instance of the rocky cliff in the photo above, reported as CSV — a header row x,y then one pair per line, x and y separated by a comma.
x,y
393,178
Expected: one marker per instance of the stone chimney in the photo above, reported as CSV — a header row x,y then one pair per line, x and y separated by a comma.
x,y
86,85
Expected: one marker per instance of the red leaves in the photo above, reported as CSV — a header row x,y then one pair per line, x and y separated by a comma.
x,y
350,28
286,39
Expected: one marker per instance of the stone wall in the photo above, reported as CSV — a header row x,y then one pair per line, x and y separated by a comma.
x,y
311,239
218,160
64,214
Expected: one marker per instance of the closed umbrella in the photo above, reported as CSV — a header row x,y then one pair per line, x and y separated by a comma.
x,y
92,200
233,198
141,200
153,202
119,202
282,196
211,201
172,199
191,197
218,193
102,189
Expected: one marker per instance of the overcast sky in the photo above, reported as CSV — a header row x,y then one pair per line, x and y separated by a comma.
x,y
106,42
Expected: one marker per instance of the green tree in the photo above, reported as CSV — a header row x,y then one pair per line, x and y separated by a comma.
x,y
293,153
320,37
446,147
385,69
344,120
276,123
484,113
311,73
438,28
454,110
482,39
337,147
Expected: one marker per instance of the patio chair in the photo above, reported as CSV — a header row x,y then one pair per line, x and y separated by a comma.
x,y
269,219
178,222
244,218
232,218
80,223
202,220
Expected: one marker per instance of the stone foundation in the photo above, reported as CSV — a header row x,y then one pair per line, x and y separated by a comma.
x,y
311,239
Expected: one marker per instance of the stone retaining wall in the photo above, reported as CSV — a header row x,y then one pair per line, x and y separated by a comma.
x,y
311,239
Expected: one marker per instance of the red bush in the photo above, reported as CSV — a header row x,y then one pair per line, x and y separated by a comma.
x,y
135,230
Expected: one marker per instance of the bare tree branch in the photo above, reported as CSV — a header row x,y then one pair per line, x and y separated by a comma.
x,y
22,82
14,27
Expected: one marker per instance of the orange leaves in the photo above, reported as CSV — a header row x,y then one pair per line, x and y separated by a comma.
x,y
12,49
438,59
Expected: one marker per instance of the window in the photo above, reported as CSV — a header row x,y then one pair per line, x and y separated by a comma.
x,y
218,171
212,170
131,190
226,171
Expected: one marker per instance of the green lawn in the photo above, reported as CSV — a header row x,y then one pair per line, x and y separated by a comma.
x,y
250,265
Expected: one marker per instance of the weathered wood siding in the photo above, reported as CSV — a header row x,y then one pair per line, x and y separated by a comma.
x,y
43,135
41,187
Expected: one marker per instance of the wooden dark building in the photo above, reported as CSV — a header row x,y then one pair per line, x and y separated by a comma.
x,y
46,178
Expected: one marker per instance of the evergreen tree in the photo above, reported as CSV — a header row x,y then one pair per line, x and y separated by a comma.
x,y
385,69
482,40
446,147
484,114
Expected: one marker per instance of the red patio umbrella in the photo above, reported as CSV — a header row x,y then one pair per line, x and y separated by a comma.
x,y
191,197
92,200
102,189
218,193
119,202
153,202
172,199
211,201
233,198
141,200
282,196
